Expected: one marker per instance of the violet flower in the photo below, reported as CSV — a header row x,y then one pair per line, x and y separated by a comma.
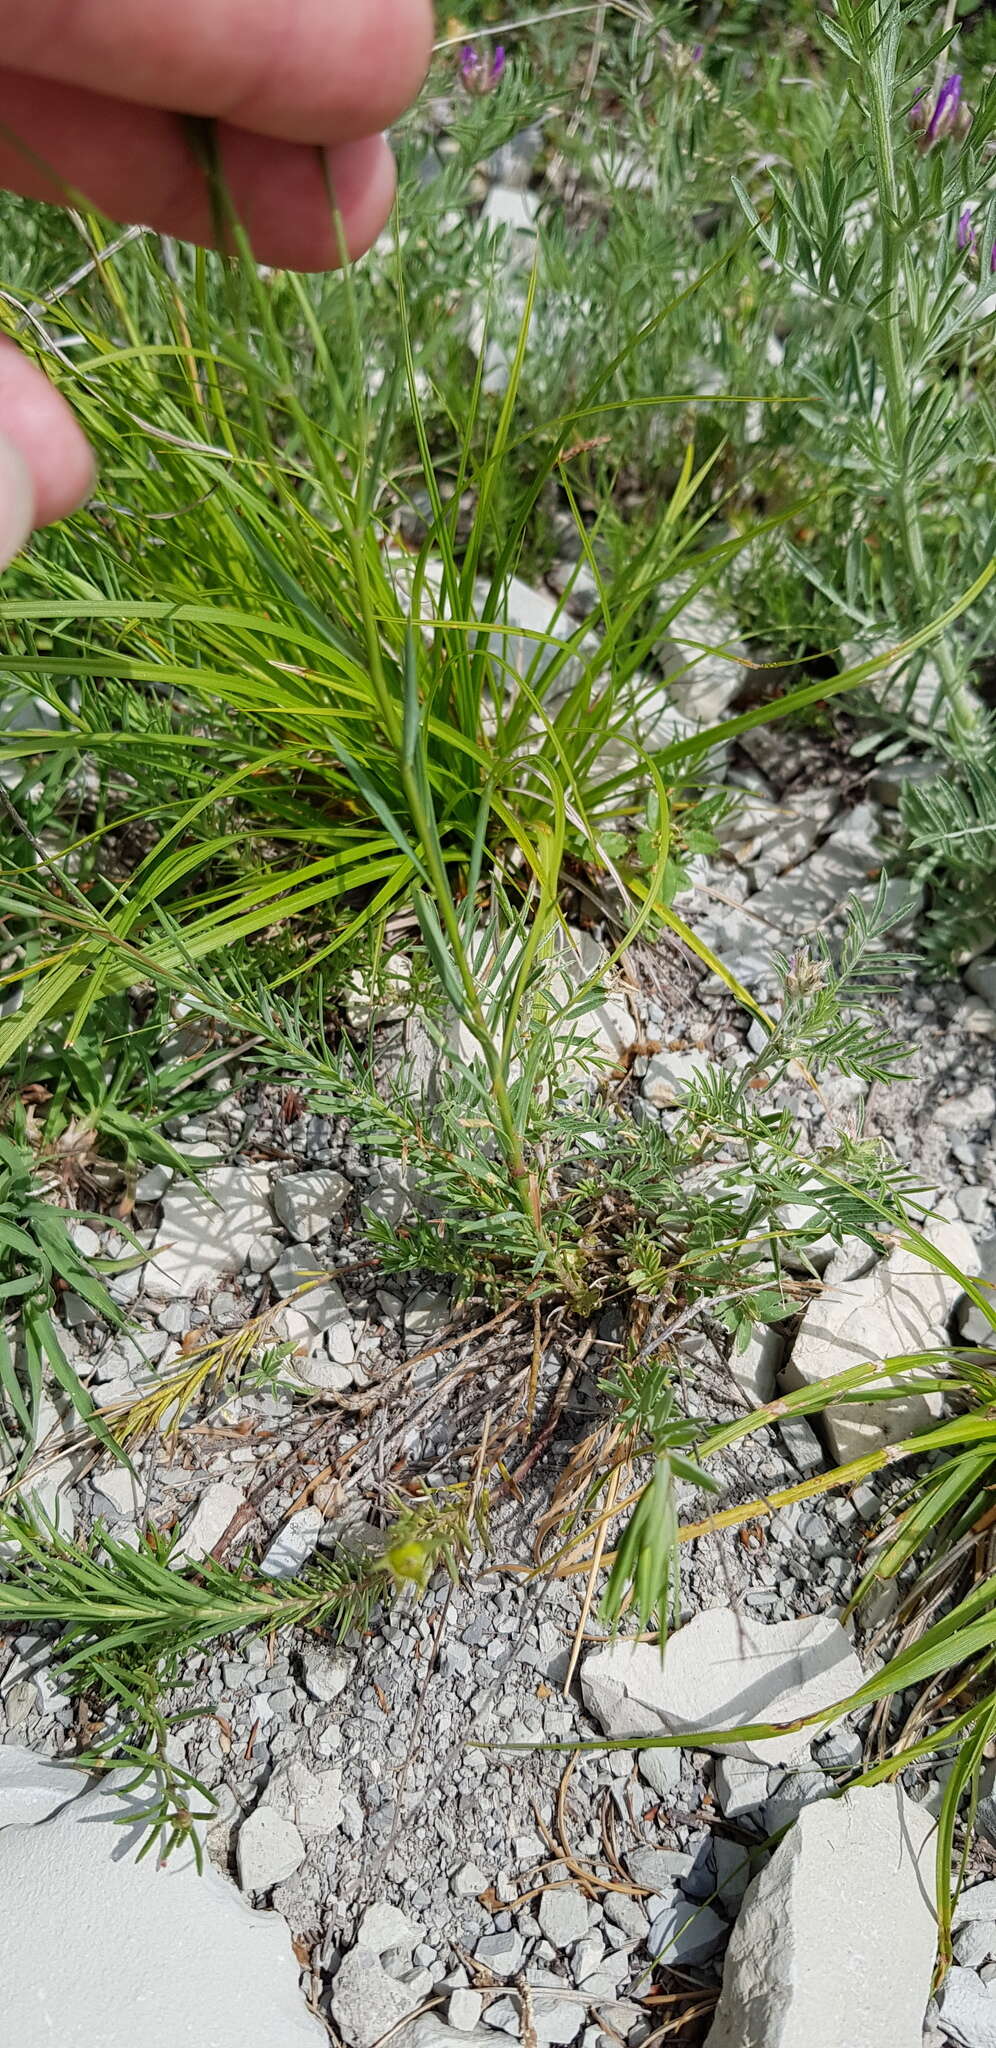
x,y
919,113
946,111
965,233
476,74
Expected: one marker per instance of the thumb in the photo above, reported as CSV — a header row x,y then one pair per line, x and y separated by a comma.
x,y
17,501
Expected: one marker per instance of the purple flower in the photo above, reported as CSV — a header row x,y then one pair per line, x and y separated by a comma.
x,y
919,113
478,76
992,261
946,111
698,53
965,233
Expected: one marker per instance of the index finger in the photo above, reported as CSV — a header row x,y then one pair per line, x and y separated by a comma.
x,y
316,71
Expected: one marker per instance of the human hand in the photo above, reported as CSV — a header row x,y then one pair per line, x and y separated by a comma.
x,y
92,99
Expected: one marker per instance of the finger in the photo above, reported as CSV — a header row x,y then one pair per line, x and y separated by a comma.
x,y
17,504
135,163
37,426
306,70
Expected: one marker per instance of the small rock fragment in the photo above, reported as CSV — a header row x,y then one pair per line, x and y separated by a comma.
x,y
978,1903
753,1369
627,1914
669,1076
426,1317
431,2031
207,1525
802,1444
741,1787
981,976
366,2002
563,1916
120,1491
263,1254
656,1869
900,1308
268,1849
501,1953
685,1932
204,1238
556,2020
661,1770
464,2010
297,1266
967,2010
384,1927
311,1799
327,1671
296,1544
308,1203
975,1943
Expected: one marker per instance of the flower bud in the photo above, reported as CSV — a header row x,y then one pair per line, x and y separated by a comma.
x,y
477,74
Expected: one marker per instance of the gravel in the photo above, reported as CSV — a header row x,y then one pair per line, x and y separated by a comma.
x,y
369,1778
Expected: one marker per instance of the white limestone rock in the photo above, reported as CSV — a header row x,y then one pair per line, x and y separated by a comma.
x,y
206,1527
297,1266
753,1369
512,210
981,976
807,894
384,999
609,1027
670,1074
384,1927
686,1932
431,2031
98,1947
205,1238
294,1546
311,1799
119,1492
901,1307
427,1317
307,1203
967,2010
703,658
522,641
327,1670
835,1939
366,2002
725,1670
31,1787
269,1848
915,693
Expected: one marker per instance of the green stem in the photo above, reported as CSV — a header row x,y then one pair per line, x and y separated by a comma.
x,y
522,1181
898,369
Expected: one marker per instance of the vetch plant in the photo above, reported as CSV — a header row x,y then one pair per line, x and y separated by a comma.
x,y
122,1621
881,252
481,73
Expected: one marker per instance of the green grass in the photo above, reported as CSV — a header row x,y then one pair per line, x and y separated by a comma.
x,y
275,734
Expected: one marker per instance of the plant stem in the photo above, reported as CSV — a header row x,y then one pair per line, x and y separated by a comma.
x,y
897,368
523,1181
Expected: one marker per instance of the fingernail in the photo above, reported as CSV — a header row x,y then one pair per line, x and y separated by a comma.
x,y
17,501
